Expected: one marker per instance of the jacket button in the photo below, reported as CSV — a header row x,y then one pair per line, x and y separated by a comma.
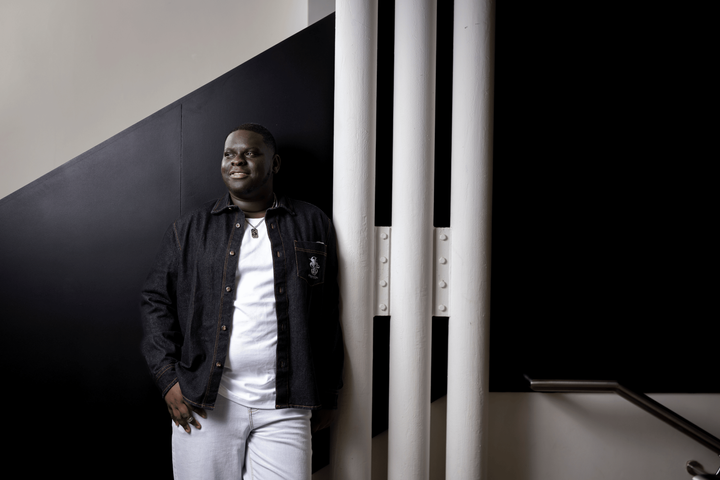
x,y
278,253
237,225
218,364
232,252
227,289
281,289
223,328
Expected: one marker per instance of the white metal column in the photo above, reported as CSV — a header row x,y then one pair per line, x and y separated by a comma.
x,y
411,246
353,216
471,195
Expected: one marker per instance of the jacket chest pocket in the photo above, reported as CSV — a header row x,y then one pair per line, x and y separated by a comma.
x,y
310,259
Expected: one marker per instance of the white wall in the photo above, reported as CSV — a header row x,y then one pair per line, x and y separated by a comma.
x,y
75,72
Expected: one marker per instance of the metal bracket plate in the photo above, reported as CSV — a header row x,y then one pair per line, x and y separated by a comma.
x,y
382,271
441,272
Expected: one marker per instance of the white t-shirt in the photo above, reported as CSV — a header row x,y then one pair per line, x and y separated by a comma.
x,y
249,373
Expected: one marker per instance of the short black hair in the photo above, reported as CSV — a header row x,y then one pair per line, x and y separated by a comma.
x,y
257,128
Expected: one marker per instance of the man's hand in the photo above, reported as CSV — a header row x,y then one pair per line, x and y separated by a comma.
x,y
322,419
181,411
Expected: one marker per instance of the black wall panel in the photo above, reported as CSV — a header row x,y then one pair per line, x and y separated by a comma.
x,y
602,198
76,245
75,248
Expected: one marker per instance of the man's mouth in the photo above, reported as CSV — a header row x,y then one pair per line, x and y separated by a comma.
x,y
239,175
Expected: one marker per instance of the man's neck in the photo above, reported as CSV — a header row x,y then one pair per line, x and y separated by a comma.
x,y
254,208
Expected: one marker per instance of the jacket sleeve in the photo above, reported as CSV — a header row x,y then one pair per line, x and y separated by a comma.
x,y
162,336
334,349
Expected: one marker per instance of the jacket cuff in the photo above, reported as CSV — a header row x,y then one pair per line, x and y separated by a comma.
x,y
166,378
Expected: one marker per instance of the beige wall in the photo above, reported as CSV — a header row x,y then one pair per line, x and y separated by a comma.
x,y
75,72
595,437
535,436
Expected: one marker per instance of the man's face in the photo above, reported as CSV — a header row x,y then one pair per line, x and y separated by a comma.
x,y
247,166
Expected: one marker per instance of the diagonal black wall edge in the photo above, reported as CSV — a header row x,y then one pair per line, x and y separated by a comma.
x,y
77,244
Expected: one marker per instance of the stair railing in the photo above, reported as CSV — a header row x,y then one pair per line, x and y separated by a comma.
x,y
643,401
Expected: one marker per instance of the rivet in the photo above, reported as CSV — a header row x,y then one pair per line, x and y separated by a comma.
x,y
383,307
383,283
442,284
384,236
442,308
383,259
443,260
443,237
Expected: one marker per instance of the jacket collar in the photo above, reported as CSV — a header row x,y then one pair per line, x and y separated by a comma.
x,y
224,204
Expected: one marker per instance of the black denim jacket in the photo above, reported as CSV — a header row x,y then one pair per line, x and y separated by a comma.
x,y
188,303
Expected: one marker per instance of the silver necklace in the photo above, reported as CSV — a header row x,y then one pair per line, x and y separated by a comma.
x,y
253,228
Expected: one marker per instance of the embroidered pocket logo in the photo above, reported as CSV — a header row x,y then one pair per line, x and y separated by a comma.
x,y
314,268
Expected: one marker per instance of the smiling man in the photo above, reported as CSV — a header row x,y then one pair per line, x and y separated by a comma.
x,y
241,324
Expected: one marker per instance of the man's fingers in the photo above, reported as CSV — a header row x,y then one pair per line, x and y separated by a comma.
x,y
184,422
193,421
181,412
182,416
186,418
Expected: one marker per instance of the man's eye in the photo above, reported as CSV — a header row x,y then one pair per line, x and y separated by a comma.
x,y
228,154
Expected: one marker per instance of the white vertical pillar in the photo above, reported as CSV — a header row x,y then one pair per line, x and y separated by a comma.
x,y
411,246
353,216
471,195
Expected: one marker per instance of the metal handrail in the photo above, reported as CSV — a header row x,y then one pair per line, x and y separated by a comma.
x,y
698,472
639,399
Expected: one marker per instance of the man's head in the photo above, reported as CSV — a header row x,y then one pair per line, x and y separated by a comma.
x,y
249,162
264,132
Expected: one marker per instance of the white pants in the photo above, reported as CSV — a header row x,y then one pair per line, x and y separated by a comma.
x,y
240,442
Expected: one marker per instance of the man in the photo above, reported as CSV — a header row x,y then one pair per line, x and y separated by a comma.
x,y
241,324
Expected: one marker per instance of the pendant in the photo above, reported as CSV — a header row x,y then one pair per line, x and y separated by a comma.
x,y
253,232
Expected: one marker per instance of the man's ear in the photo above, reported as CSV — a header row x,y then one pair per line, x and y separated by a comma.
x,y
276,164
